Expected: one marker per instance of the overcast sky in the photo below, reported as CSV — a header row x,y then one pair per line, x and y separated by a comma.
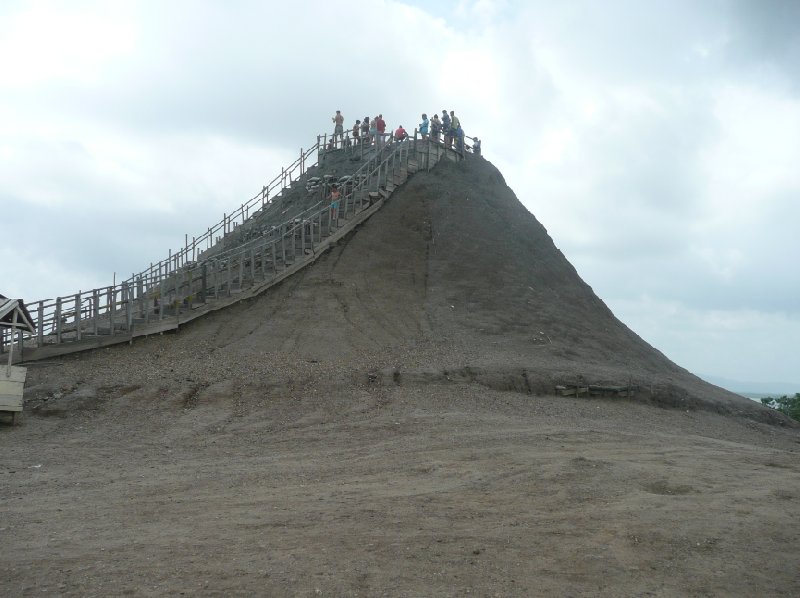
x,y
658,142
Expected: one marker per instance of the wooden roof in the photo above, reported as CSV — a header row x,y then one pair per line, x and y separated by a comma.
x,y
8,307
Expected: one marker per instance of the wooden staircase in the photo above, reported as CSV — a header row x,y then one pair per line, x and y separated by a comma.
x,y
121,313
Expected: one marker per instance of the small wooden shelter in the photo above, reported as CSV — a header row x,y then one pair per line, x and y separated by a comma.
x,y
14,316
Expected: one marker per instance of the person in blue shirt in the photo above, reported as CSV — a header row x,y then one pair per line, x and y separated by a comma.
x,y
423,126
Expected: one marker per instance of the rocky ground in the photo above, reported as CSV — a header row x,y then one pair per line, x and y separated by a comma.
x,y
384,424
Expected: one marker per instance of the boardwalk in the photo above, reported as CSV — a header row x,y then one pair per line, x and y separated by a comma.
x,y
271,236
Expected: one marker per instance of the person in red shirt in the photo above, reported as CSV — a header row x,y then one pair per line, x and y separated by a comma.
x,y
400,134
380,126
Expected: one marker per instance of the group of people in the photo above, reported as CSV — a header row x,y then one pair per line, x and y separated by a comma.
x,y
367,131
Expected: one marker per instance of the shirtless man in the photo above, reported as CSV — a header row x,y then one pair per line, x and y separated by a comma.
x,y
338,120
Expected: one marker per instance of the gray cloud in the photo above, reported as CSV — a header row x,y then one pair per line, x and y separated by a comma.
x,y
620,125
765,33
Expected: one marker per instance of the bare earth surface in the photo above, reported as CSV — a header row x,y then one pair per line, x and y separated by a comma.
x,y
383,424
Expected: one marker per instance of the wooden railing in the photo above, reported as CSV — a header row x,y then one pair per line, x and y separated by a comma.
x,y
270,193
178,283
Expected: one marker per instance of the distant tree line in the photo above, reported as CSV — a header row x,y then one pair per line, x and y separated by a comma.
x,y
787,405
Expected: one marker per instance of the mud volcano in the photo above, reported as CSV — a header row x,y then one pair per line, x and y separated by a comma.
x,y
388,422
455,281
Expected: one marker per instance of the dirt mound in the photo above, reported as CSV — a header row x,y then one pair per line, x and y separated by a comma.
x,y
384,423
454,272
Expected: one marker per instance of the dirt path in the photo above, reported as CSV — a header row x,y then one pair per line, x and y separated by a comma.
x,y
441,490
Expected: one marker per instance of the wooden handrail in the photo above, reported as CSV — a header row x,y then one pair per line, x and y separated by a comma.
x,y
170,283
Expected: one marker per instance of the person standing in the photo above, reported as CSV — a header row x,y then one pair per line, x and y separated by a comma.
x,y
456,134
334,197
446,128
338,129
459,132
356,131
423,126
373,130
365,130
436,128
380,126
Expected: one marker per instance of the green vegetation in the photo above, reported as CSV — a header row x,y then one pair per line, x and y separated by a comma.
x,y
787,405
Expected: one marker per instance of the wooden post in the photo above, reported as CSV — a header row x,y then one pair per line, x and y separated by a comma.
x,y
241,270
203,282
253,264
110,309
40,327
190,274
95,306
215,271
128,305
140,292
58,320
11,344
78,315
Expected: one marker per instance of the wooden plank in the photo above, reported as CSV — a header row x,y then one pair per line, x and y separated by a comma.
x,y
13,374
12,383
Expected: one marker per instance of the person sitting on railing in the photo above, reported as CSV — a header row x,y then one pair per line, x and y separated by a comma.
x,y
400,134
446,128
423,126
333,197
436,127
338,130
